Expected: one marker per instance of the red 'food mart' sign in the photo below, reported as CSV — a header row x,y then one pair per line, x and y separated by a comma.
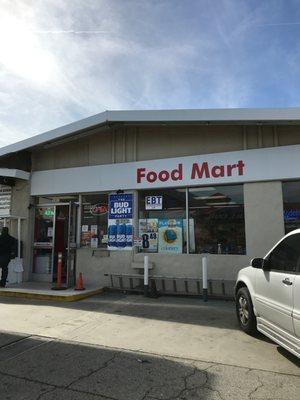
x,y
197,171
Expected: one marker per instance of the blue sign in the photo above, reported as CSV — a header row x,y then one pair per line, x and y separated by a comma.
x,y
120,206
120,229
290,215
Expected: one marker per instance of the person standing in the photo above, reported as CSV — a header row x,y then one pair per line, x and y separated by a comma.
x,y
7,252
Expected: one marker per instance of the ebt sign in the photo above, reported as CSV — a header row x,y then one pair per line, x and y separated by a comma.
x,y
190,173
153,202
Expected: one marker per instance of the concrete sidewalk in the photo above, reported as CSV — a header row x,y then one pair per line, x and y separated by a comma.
x,y
173,327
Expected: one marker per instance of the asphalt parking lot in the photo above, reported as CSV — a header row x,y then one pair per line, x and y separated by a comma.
x,y
118,346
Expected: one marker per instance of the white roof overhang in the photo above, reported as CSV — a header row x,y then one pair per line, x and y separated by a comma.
x,y
14,173
201,116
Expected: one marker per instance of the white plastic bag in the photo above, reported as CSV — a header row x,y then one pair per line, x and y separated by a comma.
x,y
17,264
15,270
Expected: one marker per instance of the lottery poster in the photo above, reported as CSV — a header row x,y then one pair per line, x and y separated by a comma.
x,y
170,236
148,232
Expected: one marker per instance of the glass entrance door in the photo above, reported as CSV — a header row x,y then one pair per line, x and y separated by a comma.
x,y
43,247
61,240
71,244
55,227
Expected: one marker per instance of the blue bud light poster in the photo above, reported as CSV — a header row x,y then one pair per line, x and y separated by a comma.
x,y
120,214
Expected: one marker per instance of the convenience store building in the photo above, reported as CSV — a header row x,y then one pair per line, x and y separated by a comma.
x,y
172,183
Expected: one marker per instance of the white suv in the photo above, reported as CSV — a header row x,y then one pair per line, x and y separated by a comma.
x,y
268,294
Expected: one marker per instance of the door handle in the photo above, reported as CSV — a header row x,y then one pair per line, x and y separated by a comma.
x,y
287,281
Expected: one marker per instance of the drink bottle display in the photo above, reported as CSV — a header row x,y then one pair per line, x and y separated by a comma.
x,y
121,235
112,235
129,235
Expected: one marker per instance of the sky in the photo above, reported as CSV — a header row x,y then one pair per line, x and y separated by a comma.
x,y
63,60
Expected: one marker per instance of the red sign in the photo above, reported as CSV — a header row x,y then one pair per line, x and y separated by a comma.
x,y
198,171
99,209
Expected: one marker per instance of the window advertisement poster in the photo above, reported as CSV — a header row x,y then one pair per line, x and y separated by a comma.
x,y
84,228
170,236
50,232
85,238
153,202
148,232
94,230
120,228
5,200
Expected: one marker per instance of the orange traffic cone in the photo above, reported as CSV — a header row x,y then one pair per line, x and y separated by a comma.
x,y
79,282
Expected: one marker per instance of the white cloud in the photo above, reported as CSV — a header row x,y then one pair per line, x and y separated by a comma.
x,y
62,60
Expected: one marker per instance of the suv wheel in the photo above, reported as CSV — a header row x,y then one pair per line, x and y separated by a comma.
x,y
244,311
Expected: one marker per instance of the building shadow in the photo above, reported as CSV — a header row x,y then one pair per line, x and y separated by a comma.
x,y
291,357
36,368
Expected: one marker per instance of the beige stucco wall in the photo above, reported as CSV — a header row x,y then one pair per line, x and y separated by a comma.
x,y
166,142
95,266
263,216
117,145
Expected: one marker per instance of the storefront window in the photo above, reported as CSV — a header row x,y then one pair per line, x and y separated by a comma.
x,y
216,220
94,221
162,221
291,205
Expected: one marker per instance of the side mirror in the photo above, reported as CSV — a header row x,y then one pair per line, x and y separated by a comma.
x,y
266,264
257,263
261,263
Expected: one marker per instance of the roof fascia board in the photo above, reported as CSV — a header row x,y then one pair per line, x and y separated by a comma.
x,y
241,115
54,134
207,115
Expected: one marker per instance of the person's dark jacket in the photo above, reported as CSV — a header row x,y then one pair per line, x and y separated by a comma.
x,y
7,246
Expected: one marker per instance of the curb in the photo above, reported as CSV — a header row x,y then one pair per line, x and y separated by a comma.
x,y
41,296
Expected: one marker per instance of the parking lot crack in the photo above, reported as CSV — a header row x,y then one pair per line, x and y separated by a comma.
x,y
187,387
215,390
46,392
105,365
148,395
52,387
185,380
102,396
260,385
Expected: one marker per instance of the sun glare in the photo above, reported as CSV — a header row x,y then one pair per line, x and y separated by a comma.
x,y
21,52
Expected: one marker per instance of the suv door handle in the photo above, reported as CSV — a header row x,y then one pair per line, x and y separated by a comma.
x,y
287,281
